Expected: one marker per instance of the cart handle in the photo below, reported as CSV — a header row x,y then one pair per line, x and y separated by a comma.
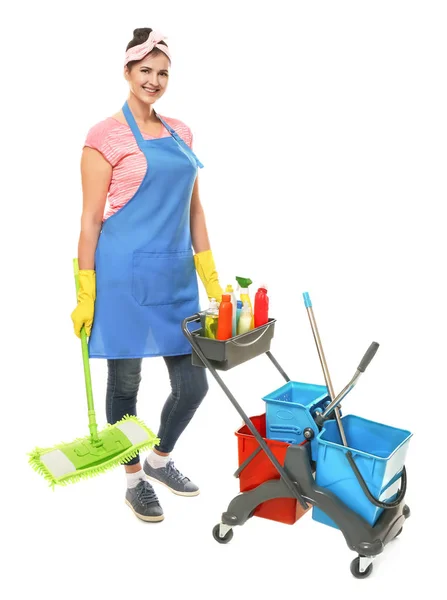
x,y
192,319
367,358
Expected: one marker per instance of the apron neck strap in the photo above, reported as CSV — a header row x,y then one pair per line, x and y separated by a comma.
x,y
132,123
179,140
171,131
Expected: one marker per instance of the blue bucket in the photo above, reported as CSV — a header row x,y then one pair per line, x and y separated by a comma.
x,y
290,409
379,452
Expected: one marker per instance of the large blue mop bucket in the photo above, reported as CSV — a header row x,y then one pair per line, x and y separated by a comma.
x,y
378,452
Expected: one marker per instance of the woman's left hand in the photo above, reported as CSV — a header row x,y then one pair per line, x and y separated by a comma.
x,y
206,269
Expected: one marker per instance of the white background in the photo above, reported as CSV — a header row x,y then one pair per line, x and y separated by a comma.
x,y
322,127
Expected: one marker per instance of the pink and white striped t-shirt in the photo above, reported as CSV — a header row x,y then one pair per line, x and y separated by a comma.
x,y
117,144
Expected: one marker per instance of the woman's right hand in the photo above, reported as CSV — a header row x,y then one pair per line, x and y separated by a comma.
x,y
84,311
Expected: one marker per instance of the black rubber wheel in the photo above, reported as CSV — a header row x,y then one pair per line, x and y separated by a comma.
x,y
355,569
222,540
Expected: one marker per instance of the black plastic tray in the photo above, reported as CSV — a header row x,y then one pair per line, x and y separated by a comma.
x,y
226,354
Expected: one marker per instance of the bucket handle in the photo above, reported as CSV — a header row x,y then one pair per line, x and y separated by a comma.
x,y
242,345
247,461
362,482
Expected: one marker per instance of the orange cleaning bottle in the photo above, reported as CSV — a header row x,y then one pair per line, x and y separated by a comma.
x,y
225,323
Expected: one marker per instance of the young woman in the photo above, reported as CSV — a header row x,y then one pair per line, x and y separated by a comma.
x,y
138,270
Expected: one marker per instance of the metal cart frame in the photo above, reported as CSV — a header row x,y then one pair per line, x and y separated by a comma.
x,y
297,481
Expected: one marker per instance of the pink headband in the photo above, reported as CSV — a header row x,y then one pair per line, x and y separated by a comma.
x,y
140,51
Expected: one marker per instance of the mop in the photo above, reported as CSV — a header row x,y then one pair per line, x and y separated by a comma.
x,y
101,450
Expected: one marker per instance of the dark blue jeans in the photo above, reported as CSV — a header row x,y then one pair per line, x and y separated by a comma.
x,y
188,388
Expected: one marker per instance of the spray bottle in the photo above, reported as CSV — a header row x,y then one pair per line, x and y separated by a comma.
x,y
244,282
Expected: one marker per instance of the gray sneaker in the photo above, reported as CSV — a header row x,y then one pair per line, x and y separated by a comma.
x,y
144,502
171,477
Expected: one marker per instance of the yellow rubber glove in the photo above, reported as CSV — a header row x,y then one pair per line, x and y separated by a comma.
x,y
84,311
206,270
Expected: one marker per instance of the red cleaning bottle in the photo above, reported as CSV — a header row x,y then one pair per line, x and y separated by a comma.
x,y
225,323
261,306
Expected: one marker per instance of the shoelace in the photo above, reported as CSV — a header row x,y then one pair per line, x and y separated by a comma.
x,y
174,473
146,493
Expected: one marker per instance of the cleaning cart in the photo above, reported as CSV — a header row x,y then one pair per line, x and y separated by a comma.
x,y
297,457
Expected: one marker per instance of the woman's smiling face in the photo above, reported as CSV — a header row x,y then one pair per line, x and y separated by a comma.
x,y
148,78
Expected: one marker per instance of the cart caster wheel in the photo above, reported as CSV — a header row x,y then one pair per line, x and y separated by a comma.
x,y
222,540
355,569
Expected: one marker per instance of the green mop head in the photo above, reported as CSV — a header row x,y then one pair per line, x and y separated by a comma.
x,y
85,457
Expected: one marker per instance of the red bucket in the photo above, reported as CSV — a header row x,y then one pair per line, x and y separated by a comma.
x,y
261,469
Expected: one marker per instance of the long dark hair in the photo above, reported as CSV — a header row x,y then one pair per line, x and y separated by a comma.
x,y
139,37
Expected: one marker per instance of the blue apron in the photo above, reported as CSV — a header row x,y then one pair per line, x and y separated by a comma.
x,y
146,281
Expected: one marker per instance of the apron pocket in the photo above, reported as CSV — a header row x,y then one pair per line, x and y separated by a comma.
x,y
161,278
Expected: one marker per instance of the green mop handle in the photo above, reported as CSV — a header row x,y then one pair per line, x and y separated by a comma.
x,y
92,425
